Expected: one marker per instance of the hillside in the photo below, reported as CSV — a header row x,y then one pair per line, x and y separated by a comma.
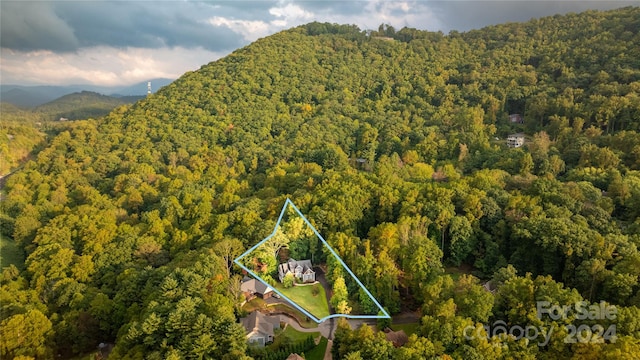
x,y
22,132
392,144
19,136
81,105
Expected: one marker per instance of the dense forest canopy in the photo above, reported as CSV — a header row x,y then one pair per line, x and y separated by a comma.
x,y
24,131
392,143
19,135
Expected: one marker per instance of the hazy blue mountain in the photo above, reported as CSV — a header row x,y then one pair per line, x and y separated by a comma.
x,y
32,96
25,97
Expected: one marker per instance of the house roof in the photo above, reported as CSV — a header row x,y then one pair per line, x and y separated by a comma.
x,y
258,322
292,264
294,357
255,286
283,268
398,338
261,288
306,264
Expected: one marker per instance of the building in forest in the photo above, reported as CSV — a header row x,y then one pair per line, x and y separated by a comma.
x,y
260,328
253,287
515,140
515,119
302,270
398,338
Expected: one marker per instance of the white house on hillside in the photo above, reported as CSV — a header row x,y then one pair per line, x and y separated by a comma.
x,y
302,270
515,140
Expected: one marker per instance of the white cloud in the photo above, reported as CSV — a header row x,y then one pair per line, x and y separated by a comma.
x,y
291,13
249,29
286,16
398,14
100,65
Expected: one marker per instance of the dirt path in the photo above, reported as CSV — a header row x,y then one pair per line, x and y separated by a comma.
x,y
408,317
327,353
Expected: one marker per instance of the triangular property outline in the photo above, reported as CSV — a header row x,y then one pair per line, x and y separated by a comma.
x,y
288,202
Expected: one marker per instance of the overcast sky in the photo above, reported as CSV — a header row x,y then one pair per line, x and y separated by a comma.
x,y
124,42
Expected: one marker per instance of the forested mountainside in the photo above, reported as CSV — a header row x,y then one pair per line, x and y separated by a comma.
x,y
19,135
392,143
23,131
82,105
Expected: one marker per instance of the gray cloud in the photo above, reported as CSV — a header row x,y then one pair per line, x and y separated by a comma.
x,y
67,26
34,25
467,15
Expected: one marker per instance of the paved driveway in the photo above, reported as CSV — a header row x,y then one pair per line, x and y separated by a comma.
x,y
327,289
325,328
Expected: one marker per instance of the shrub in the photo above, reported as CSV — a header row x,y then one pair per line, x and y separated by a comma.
x,y
288,280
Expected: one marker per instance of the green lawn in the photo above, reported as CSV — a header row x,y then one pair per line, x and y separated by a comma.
x,y
291,336
302,318
296,336
302,295
317,353
10,253
408,328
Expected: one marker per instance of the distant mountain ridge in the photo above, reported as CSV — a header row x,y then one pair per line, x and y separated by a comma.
x,y
82,105
74,106
32,96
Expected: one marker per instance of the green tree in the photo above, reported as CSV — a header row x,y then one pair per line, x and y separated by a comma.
x,y
340,292
26,335
461,239
288,280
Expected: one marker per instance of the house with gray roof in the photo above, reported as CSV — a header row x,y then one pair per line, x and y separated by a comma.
x,y
253,287
260,328
301,269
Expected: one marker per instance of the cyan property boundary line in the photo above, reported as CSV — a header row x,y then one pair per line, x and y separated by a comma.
x,y
288,202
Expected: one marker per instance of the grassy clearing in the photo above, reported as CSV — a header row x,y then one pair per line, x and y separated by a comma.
x,y
303,296
296,336
254,304
457,271
10,254
317,353
408,328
